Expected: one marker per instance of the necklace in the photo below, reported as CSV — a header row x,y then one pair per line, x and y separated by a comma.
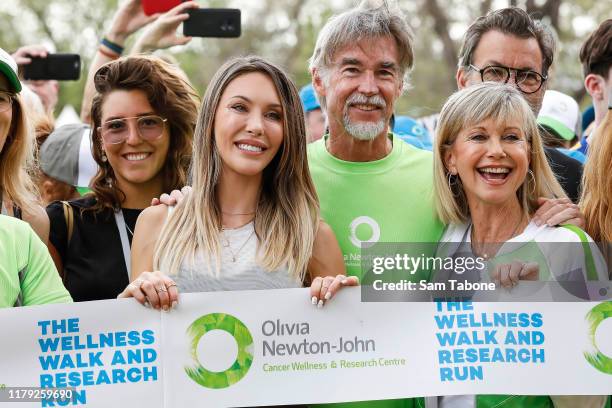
x,y
227,244
481,248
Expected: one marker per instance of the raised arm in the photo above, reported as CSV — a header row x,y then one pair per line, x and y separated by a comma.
x,y
128,19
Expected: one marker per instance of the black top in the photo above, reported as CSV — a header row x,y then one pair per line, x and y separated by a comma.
x,y
94,267
567,170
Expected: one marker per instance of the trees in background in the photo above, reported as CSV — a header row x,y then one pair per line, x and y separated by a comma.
x,y
285,32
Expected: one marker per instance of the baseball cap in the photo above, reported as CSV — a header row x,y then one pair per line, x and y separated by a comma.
x,y
8,67
410,130
66,155
560,113
309,98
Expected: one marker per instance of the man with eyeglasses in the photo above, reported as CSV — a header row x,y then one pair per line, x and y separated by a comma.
x,y
507,45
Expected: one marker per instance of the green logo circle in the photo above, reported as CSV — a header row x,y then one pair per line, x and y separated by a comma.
x,y
230,324
594,356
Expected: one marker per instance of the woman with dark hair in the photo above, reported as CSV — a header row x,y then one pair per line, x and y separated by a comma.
x,y
252,220
143,116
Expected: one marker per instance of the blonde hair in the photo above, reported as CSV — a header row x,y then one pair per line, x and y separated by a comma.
x,y
17,162
287,214
596,199
471,106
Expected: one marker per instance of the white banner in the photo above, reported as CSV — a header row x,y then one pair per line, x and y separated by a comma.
x,y
274,347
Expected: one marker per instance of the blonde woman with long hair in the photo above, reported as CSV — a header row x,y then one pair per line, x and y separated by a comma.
x,y
596,200
18,193
252,220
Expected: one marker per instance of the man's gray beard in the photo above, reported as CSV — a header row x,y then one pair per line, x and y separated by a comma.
x,y
363,130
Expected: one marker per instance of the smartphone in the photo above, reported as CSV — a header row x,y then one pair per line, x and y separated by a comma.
x,y
212,22
61,67
151,7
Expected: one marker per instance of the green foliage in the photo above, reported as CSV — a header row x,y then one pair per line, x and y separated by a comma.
x,y
285,32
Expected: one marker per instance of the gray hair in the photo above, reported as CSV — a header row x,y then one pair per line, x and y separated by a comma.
x,y
513,21
372,18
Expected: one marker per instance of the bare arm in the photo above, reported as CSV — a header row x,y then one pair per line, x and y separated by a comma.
x,y
128,19
326,267
147,231
150,288
39,221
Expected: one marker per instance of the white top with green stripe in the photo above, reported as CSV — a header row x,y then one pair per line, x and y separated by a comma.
x,y
563,260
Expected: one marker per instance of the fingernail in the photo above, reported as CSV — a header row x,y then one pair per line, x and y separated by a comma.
x,y
537,221
165,308
147,304
314,300
328,296
320,304
174,304
344,281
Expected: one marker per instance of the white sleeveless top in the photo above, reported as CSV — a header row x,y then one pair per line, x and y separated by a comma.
x,y
239,269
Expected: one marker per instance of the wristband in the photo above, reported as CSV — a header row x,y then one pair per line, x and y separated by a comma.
x,y
112,46
108,54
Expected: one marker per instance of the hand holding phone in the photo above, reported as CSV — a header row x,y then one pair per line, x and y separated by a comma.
x,y
61,67
162,32
151,7
213,22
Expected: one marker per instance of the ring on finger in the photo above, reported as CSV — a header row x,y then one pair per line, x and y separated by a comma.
x,y
162,289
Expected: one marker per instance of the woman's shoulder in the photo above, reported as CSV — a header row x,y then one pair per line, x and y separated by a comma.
x,y
151,220
560,233
154,215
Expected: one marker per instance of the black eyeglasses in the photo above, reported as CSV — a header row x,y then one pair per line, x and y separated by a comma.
x,y
526,80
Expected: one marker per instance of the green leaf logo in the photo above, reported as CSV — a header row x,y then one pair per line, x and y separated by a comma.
x,y
230,324
595,357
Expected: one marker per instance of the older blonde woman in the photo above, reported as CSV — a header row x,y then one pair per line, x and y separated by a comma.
x,y
489,170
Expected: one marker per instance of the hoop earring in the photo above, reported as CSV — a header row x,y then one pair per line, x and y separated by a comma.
x,y
454,182
533,184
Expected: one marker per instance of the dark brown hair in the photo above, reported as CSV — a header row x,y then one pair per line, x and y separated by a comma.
x,y
596,52
170,95
512,21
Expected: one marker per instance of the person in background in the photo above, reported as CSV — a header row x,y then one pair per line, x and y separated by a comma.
x,y
588,119
128,19
508,45
561,121
596,199
18,193
410,131
143,117
315,118
47,90
66,163
596,60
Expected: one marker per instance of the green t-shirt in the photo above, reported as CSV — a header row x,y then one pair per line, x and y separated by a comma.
x,y
388,200
27,272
